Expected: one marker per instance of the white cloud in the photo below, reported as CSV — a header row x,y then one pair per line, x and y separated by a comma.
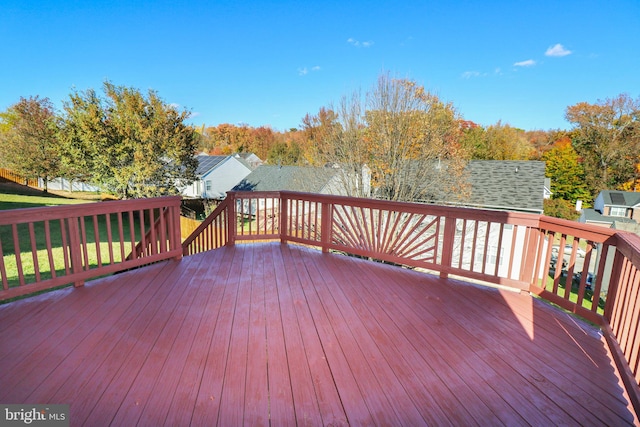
x,y
557,50
304,70
470,74
527,63
358,43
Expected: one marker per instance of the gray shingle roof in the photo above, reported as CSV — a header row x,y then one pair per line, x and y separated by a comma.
x,y
592,215
506,184
289,178
620,198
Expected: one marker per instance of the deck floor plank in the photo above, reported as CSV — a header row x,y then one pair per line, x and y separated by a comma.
x,y
208,401
282,410
482,343
307,411
182,403
259,334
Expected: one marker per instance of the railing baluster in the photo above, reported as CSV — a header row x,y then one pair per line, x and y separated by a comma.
x,y
34,251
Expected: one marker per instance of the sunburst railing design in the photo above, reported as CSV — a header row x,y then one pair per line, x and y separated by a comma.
x,y
388,234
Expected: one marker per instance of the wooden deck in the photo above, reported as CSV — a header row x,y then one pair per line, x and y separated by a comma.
x,y
266,333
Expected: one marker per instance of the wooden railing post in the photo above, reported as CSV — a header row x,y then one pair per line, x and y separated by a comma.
x,y
173,220
447,244
75,248
284,217
232,219
326,226
530,259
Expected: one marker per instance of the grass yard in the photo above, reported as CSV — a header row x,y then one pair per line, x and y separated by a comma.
x,y
573,296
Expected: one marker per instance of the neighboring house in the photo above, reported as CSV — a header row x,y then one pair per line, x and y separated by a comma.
x,y
547,188
504,185
507,185
293,178
500,185
614,209
250,159
215,176
319,180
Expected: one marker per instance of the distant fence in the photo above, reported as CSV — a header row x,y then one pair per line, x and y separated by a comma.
x,y
188,226
18,179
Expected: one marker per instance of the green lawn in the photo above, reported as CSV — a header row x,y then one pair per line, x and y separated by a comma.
x,y
573,296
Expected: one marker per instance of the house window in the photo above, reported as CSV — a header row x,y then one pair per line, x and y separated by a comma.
x,y
208,187
618,211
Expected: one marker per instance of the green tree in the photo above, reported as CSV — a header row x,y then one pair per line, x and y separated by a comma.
x,y
284,153
82,130
135,145
564,168
29,142
560,208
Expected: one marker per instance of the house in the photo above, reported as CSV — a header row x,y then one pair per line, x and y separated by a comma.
x,y
250,159
216,175
614,209
319,180
503,185
293,178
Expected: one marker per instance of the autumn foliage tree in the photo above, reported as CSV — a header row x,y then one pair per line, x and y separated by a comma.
x,y
497,142
29,142
403,137
607,136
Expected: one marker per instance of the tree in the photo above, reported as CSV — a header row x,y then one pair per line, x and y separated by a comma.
x,y
607,137
560,208
400,135
564,168
29,142
318,131
497,142
135,145
283,153
81,131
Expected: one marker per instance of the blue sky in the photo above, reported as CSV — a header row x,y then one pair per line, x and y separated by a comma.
x,y
270,63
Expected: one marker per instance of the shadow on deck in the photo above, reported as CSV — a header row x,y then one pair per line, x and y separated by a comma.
x,y
269,333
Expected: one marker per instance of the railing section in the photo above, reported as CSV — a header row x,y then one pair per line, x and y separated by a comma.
x,y
240,217
622,311
574,265
469,242
41,248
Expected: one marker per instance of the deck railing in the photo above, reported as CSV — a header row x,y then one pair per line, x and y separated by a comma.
x,y
589,270
41,248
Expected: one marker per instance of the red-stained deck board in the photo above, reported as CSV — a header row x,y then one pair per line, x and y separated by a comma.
x,y
260,334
